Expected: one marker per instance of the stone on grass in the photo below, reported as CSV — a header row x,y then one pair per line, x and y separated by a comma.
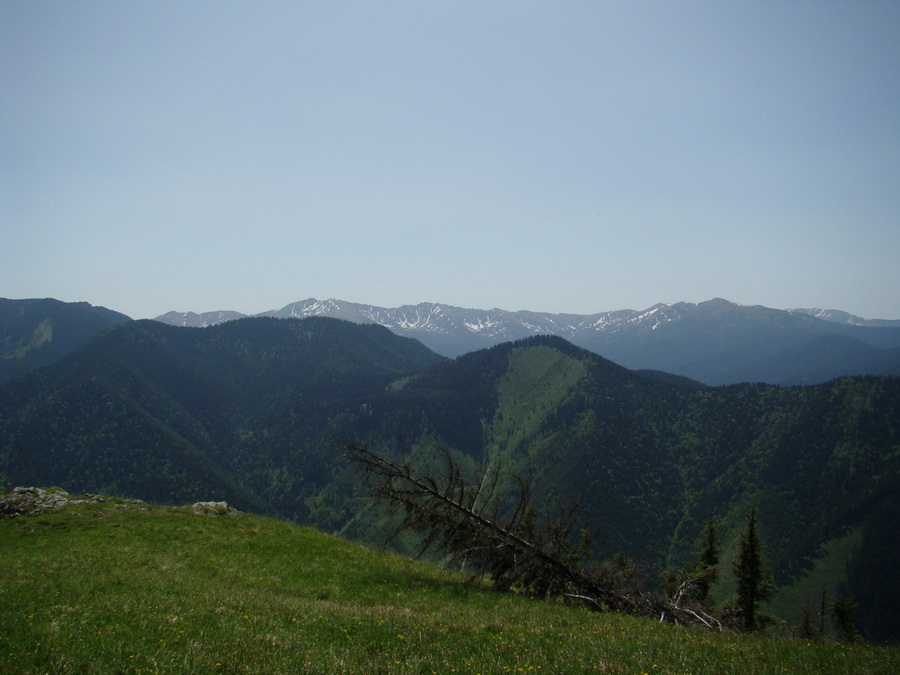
x,y
214,509
32,501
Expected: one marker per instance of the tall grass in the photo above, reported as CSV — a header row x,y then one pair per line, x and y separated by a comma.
x,y
120,588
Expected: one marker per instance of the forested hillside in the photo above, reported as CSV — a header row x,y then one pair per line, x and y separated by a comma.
x,y
35,333
169,414
652,462
255,412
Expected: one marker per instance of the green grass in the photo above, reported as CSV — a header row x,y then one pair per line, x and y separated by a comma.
x,y
537,380
826,575
124,588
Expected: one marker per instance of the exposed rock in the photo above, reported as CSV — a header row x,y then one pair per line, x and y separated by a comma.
x,y
214,509
32,501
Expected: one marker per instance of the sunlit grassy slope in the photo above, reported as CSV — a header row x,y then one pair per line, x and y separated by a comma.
x,y
117,587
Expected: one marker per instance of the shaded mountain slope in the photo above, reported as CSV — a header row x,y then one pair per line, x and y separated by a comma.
x,y
823,358
719,342
35,333
170,414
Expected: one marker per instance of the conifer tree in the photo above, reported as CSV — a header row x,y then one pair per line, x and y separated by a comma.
x,y
842,610
706,570
753,582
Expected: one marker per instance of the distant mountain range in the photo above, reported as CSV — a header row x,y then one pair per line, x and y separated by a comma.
x,y
715,342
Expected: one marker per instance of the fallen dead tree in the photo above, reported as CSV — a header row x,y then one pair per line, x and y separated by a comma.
x,y
511,544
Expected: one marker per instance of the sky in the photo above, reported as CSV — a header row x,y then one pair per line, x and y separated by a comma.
x,y
571,157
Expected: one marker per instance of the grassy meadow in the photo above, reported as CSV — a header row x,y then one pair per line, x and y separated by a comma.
x,y
118,587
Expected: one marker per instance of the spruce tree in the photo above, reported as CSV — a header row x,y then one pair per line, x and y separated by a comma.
x,y
753,582
706,570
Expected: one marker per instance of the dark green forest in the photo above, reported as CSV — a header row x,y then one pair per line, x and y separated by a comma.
x,y
38,332
256,412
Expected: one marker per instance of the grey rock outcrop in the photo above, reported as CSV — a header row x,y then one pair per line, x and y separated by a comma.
x,y
32,501
214,509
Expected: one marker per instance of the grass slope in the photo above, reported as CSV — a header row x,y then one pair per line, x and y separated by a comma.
x,y
119,587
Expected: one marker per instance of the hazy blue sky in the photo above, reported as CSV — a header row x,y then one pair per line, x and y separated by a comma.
x,y
553,156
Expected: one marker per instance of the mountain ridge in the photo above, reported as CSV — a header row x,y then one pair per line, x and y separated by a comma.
x,y
563,320
715,342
